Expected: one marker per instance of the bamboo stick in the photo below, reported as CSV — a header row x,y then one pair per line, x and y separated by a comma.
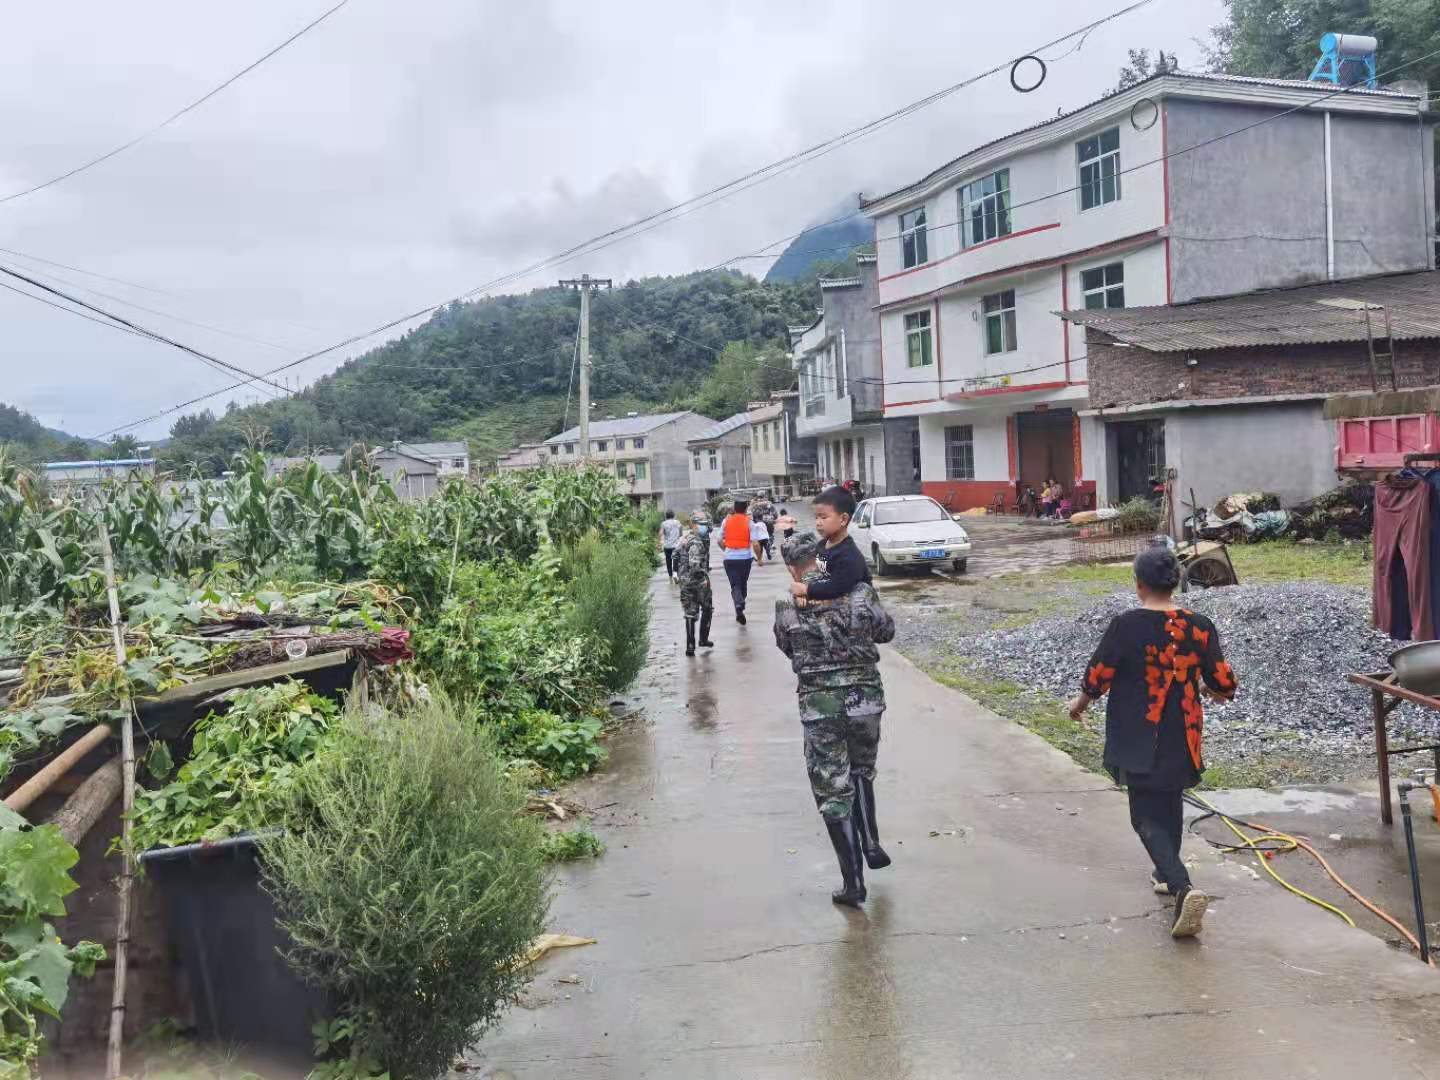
x,y
127,776
91,799
43,780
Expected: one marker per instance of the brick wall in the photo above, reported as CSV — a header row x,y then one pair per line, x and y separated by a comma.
x,y
1135,376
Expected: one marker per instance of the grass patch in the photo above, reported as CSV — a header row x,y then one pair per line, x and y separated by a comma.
x,y
1285,560
579,843
1033,711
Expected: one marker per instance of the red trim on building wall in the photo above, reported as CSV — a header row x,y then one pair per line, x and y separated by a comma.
x,y
957,495
1020,268
917,401
1065,306
966,251
1079,458
939,362
1012,450
964,395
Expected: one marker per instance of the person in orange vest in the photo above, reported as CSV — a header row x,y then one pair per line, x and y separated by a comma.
x,y
738,556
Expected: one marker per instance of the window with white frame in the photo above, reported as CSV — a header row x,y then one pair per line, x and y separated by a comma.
x,y
917,339
813,387
999,311
619,444
1104,286
714,459
765,436
620,470
960,452
985,209
457,463
600,446
637,444
639,470
1099,158
695,460
913,249
554,451
570,448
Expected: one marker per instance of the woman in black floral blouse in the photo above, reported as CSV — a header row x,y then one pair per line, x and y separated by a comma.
x,y
1156,662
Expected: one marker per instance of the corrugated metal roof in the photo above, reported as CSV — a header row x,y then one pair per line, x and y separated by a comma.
x,y
1308,314
625,425
113,463
724,427
1192,76
451,449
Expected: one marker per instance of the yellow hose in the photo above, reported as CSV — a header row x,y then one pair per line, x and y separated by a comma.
x,y
1290,844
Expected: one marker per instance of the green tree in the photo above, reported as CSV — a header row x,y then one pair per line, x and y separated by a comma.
x,y
742,374
122,446
1140,67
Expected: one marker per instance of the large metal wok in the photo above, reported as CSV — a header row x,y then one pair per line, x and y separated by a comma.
x,y
1417,667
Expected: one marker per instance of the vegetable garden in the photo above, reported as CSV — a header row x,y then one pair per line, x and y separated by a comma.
x,y
523,601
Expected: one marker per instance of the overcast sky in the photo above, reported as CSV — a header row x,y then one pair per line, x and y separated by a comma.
x,y
400,154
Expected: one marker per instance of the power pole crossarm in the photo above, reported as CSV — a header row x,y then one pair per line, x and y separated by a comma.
x,y
586,285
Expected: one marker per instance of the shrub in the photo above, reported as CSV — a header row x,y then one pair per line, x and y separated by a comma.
x,y
578,843
1139,515
565,748
612,608
410,882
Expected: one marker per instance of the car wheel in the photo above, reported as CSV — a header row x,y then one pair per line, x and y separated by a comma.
x,y
960,565
882,568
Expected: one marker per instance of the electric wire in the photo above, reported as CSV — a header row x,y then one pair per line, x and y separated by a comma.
x,y
175,115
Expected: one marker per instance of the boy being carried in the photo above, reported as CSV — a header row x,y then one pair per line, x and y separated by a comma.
x,y
844,565
831,646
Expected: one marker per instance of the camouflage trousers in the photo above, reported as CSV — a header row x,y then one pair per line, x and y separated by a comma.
x,y
838,743
695,595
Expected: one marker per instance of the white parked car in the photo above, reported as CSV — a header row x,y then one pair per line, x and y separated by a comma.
x,y
908,530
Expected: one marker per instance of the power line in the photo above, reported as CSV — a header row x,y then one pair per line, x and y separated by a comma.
x,y
142,330
707,198
175,115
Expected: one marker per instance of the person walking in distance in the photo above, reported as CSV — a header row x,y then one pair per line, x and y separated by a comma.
x,y
759,540
739,558
786,524
1156,661
832,649
669,540
692,566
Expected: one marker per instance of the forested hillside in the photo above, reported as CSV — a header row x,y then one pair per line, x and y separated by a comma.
x,y
497,370
24,437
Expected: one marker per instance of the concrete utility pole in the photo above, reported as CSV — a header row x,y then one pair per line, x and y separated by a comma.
x,y
586,284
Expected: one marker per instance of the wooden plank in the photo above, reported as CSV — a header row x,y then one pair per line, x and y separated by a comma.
x,y
1374,682
231,680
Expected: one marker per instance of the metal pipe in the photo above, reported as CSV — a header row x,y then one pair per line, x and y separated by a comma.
x,y
1329,206
1405,787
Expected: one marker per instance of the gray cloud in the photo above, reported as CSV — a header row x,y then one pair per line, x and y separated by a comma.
x,y
401,154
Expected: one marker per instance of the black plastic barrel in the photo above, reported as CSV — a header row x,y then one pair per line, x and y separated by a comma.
x,y
223,924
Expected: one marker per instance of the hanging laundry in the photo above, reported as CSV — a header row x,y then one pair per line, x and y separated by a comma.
x,y
1402,558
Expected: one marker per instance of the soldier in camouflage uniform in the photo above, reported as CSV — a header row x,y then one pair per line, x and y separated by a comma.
x,y
692,564
831,646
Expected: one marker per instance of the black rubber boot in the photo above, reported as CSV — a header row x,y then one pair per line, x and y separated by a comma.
x,y
705,616
864,813
740,615
689,637
852,869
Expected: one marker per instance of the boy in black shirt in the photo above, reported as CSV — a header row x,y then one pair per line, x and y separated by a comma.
x,y
844,565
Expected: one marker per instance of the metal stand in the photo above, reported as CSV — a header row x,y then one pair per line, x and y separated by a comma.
x,y
1420,931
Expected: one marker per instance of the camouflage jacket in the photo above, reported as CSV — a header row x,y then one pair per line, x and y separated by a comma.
x,y
831,643
692,556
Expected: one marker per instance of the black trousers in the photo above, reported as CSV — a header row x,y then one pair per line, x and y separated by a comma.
x,y
1158,818
738,571
669,562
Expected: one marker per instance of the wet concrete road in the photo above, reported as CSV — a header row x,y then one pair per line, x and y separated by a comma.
x,y
1021,941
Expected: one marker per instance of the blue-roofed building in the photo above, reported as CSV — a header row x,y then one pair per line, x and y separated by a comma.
x,y
60,474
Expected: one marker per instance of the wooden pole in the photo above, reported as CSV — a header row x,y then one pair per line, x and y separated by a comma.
x,y
91,799
43,780
127,777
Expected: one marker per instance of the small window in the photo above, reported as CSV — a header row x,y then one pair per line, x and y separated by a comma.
x,y
960,452
1104,286
554,451
714,460
696,460
639,470
985,209
913,249
1000,321
602,445
620,470
917,339
1099,158
637,444
570,448
766,434
619,444
457,463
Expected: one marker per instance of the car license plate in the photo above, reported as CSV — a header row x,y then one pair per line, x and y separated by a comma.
x,y
933,553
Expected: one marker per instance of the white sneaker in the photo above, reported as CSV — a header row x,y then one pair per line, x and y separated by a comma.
x,y
1189,913
1161,889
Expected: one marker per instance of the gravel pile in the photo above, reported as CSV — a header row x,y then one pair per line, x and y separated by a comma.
x,y
1290,644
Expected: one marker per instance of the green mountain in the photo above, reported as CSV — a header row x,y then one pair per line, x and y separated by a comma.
x,y
24,437
822,249
497,370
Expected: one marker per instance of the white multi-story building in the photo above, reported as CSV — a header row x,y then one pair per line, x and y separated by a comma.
x,y
837,361
648,454
720,456
1152,195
